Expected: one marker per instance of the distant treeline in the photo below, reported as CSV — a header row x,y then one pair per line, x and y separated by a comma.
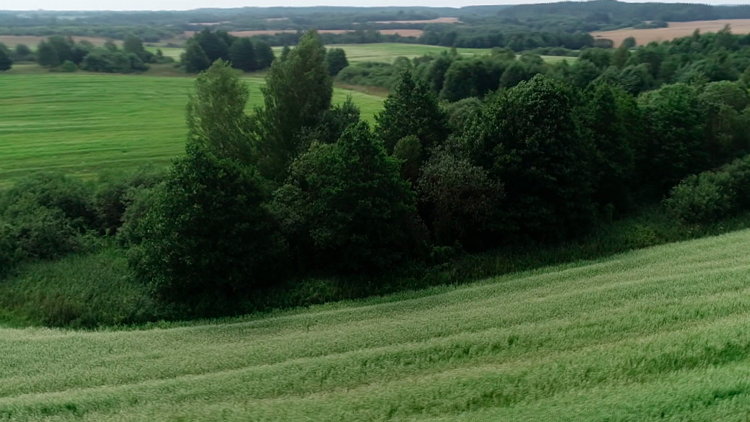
x,y
517,27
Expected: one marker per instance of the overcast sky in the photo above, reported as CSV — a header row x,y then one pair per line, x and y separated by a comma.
x,y
196,4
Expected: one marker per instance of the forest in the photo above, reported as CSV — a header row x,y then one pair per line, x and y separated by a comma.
x,y
469,155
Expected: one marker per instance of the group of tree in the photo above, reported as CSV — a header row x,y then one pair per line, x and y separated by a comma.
x,y
303,187
205,47
62,53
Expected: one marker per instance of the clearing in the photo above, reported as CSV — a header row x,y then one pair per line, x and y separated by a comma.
x,y
656,334
84,123
675,30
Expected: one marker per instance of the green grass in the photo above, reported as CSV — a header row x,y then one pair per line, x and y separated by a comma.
x,y
83,123
656,334
383,52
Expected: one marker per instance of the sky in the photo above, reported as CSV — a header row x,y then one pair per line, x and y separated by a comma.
x,y
196,4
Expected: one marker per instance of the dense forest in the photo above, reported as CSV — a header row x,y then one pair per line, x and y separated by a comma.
x,y
464,158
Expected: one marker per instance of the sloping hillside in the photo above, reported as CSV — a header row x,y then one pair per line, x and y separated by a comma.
x,y
662,333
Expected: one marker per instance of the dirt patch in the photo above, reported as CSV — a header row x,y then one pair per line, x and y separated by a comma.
x,y
33,41
438,20
675,30
401,32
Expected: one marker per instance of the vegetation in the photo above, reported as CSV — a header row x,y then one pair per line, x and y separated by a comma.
x,y
562,340
107,122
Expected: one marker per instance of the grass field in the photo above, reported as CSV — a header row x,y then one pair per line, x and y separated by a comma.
x,y
83,123
382,52
656,334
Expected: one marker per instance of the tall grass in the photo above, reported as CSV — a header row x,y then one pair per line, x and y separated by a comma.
x,y
660,333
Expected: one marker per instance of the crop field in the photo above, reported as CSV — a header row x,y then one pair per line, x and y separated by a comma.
x,y
84,123
674,30
656,334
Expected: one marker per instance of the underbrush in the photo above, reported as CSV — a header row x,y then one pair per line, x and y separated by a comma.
x,y
97,289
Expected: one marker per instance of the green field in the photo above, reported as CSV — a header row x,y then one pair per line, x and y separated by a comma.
x,y
83,123
384,52
656,334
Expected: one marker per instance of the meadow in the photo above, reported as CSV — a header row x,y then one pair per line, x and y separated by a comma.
x,y
85,123
655,334
381,52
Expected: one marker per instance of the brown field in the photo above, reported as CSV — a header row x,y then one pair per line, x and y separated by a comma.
x,y
33,41
402,32
675,30
438,20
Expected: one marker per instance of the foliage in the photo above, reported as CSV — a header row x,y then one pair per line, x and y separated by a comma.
x,y
195,59
527,138
208,242
712,196
242,54
216,116
345,207
6,62
336,61
108,61
297,93
412,109
463,201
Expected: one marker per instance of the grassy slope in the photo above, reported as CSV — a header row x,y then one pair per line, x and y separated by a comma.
x,y
83,123
657,334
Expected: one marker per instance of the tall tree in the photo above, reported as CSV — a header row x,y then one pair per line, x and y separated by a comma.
x,y
411,109
216,116
195,59
297,94
242,54
47,55
336,60
5,61
527,138
264,55
214,45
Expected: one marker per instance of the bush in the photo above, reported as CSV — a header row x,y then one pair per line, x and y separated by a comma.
x,y
116,192
68,67
711,196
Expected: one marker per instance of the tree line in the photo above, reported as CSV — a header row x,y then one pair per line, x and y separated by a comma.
x,y
302,187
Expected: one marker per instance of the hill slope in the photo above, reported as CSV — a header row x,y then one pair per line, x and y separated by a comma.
x,y
660,334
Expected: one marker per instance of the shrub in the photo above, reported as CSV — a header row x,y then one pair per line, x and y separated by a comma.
x,y
116,192
68,67
711,196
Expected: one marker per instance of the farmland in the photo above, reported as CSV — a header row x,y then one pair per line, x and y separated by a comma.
x,y
674,30
84,123
656,334
383,52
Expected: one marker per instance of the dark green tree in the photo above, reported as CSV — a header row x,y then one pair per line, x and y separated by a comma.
x,y
674,144
213,44
208,241
528,139
345,206
264,54
216,116
628,43
242,54
296,96
5,61
336,60
47,55
195,59
23,52
411,109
